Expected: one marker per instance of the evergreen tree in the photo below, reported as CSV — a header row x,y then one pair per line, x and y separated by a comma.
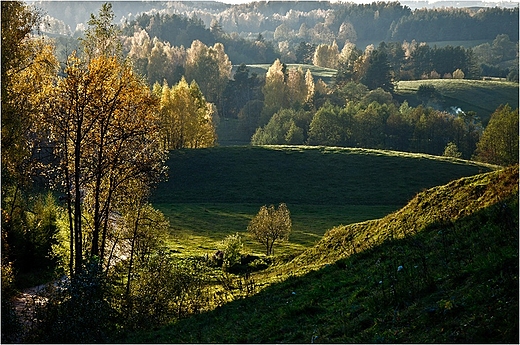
x,y
378,73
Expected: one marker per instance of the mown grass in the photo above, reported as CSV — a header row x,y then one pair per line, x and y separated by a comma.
x,y
212,193
481,96
443,269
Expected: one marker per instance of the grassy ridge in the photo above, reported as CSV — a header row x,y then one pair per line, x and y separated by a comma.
x,y
304,175
212,193
453,279
481,96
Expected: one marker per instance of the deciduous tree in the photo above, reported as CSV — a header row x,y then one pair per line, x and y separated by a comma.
x,y
275,90
210,67
103,123
186,118
270,225
499,142
326,55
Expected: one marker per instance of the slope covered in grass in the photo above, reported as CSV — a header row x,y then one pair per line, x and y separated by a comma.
x,y
443,269
212,193
480,96
304,175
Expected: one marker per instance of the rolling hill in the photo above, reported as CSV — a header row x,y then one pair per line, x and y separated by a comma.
x,y
443,269
212,193
480,96
313,175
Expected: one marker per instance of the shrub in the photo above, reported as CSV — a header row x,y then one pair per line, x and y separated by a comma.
x,y
452,150
78,310
426,90
231,247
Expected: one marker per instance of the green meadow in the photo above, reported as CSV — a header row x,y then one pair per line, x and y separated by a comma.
x,y
442,269
480,96
211,193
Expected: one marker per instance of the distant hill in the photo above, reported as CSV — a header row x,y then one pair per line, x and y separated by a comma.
x,y
443,269
480,96
323,73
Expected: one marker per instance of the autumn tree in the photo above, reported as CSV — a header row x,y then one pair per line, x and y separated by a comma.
x,y
28,220
270,225
275,90
155,59
210,67
326,55
300,86
499,141
187,120
28,68
102,36
103,123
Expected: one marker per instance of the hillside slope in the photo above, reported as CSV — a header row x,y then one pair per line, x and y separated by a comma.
x,y
480,96
309,175
434,207
443,269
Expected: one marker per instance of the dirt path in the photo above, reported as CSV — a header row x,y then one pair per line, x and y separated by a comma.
x,y
25,304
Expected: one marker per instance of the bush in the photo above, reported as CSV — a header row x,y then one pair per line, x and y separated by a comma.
x,y
164,290
426,91
231,247
452,150
78,310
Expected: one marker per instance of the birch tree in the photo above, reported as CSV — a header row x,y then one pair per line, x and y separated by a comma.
x,y
103,123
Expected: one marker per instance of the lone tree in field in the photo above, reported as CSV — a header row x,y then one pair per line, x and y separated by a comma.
x,y
270,225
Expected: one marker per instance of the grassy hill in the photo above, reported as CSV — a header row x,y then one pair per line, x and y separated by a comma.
x,y
443,269
212,193
481,96
326,74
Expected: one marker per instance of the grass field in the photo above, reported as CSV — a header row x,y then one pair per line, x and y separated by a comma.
x,y
481,96
326,74
443,269
214,192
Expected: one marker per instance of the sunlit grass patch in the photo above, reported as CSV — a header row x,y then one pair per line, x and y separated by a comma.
x,y
197,229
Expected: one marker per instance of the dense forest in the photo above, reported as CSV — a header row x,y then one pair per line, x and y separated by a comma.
x,y
90,117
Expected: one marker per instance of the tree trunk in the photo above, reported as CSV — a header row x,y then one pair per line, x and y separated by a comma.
x,y
136,226
77,200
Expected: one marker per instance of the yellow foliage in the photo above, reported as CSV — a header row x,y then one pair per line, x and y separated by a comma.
x,y
186,117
